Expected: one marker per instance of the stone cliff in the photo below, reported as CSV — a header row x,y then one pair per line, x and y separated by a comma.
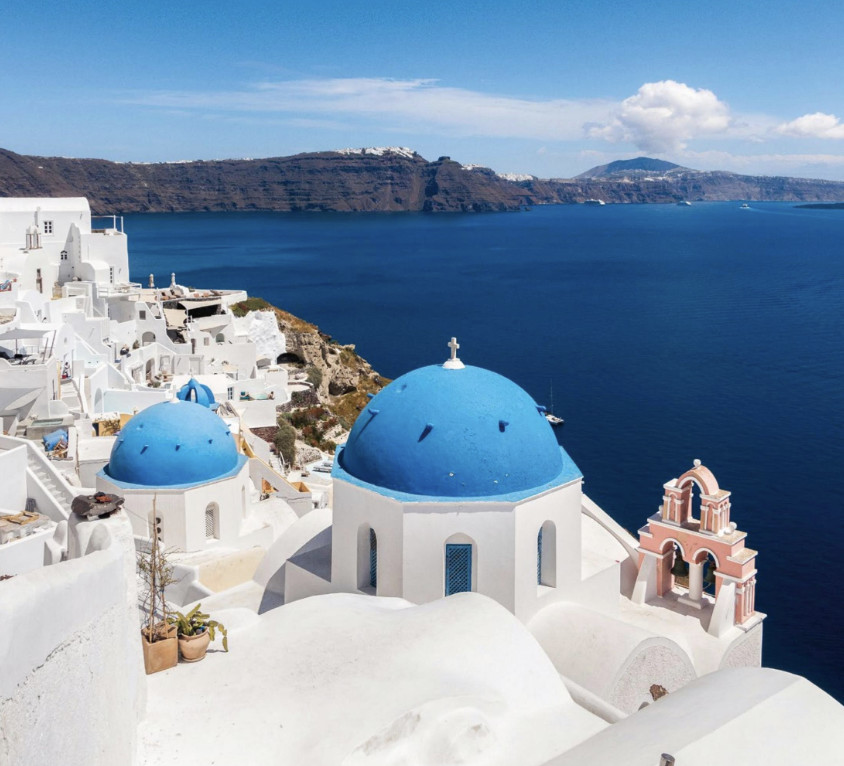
x,y
325,181
340,377
691,185
376,181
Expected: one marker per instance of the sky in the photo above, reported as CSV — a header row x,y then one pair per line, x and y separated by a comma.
x,y
543,88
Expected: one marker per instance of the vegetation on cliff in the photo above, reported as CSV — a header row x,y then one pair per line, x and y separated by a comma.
x,y
339,382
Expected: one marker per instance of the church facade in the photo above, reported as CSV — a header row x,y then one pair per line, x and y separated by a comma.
x,y
452,480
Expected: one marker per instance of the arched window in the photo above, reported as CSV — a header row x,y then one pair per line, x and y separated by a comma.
x,y
709,568
221,338
460,563
546,555
539,557
212,515
680,568
367,558
147,338
373,559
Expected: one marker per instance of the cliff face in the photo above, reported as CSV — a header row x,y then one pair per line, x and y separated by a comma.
x,y
691,185
344,378
330,181
370,181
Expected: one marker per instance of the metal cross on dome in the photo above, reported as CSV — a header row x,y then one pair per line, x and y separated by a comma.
x,y
453,363
453,345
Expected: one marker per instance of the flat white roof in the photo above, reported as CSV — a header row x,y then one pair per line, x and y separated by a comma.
x,y
96,448
58,204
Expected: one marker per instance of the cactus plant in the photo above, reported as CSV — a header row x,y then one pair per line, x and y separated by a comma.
x,y
195,622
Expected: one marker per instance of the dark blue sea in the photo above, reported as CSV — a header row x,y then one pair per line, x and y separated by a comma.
x,y
667,333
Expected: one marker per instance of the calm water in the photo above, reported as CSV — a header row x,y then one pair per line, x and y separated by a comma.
x,y
668,334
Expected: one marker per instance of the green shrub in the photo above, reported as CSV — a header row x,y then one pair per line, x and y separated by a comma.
x,y
315,376
285,441
250,304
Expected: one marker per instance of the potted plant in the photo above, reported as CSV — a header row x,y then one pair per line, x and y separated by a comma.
x,y
158,636
196,630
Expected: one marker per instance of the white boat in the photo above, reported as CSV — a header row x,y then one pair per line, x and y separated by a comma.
x,y
594,202
684,203
745,206
548,412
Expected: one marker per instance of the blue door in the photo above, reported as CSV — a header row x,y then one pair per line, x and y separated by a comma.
x,y
458,568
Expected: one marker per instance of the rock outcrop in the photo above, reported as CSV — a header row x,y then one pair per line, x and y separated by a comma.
x,y
341,378
375,181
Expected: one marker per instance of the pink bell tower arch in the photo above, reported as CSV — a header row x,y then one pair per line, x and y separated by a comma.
x,y
712,533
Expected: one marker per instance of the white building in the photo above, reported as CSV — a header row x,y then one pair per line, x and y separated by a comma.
x,y
467,602
83,349
45,242
451,481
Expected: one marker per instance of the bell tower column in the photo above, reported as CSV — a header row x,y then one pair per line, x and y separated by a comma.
x,y
695,581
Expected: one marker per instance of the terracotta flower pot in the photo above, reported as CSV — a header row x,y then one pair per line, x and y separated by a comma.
x,y
161,654
193,648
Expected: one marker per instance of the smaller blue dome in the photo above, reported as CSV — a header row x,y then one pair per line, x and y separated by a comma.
x,y
172,443
193,391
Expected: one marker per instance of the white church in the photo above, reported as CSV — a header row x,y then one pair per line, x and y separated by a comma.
x,y
459,600
452,481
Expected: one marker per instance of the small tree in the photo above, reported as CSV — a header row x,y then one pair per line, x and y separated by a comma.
x,y
156,574
285,441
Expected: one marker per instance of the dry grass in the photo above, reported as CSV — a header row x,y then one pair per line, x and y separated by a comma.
x,y
348,406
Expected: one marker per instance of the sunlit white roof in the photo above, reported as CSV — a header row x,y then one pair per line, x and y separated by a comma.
x,y
58,204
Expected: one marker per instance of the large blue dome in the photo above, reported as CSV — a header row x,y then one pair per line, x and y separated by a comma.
x,y
450,433
172,443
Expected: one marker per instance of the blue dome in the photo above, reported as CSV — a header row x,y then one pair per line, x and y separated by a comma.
x,y
454,433
194,391
172,443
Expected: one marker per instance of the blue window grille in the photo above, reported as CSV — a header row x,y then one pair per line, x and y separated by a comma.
x,y
539,557
373,559
458,568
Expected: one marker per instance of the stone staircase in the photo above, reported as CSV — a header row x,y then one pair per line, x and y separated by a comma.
x,y
70,396
50,478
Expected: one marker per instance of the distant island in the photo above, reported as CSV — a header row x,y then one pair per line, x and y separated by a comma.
x,y
388,179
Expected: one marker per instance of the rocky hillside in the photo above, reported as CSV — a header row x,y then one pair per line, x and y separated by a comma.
x,y
382,180
621,168
645,179
694,186
341,378
386,181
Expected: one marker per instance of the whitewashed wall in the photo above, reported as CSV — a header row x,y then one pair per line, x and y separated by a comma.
x,y
99,252
412,538
182,512
70,652
562,507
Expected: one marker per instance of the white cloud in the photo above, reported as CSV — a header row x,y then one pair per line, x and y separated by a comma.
x,y
817,125
830,166
663,116
415,105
